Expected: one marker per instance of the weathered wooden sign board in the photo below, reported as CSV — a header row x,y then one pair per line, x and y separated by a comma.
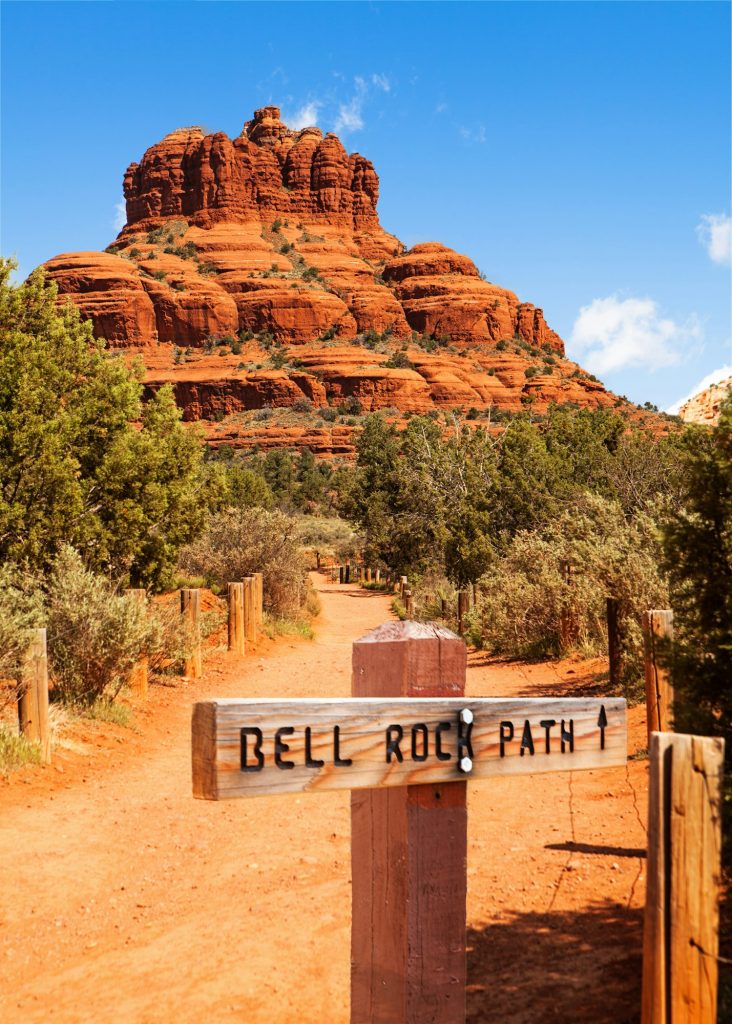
x,y
263,747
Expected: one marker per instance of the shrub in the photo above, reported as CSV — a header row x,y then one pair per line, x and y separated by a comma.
x,y
302,405
241,541
21,611
502,346
329,415
95,636
526,598
350,407
399,361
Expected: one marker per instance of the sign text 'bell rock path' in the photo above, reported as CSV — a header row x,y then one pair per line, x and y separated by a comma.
x,y
262,747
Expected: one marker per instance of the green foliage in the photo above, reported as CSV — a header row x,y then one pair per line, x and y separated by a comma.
x,y
21,611
698,557
241,541
95,636
399,361
527,598
16,750
73,468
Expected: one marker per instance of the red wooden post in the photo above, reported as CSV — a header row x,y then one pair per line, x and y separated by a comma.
x,y
409,851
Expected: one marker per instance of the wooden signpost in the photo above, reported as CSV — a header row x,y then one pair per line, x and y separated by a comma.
x,y
405,745
262,747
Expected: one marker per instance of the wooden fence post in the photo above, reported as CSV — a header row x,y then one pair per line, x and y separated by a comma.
x,y
462,609
680,938
377,575
33,702
237,641
658,626
443,607
402,586
250,610
613,642
409,604
190,606
138,675
259,596
408,851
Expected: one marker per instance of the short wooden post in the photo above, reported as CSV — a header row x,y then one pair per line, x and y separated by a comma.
x,y
658,625
348,572
237,642
462,609
443,607
138,675
408,851
402,586
33,701
190,606
377,575
613,643
409,604
259,597
250,610
368,575
680,940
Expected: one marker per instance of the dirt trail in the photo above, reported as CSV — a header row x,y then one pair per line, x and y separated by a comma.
x,y
124,900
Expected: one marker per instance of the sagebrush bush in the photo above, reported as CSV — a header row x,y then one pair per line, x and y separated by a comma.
x,y
241,541
95,635
21,611
528,609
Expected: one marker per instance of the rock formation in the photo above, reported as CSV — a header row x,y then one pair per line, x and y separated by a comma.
x,y
266,251
704,407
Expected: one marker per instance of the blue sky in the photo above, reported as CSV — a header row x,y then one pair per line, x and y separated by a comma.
x,y
578,152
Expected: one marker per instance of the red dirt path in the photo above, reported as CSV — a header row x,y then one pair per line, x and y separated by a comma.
x,y
124,900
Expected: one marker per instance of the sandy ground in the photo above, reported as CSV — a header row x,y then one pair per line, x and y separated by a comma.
x,y
122,899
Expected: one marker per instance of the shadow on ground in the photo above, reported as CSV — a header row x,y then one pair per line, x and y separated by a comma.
x,y
574,967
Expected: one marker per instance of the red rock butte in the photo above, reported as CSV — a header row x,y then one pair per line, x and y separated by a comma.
x,y
237,250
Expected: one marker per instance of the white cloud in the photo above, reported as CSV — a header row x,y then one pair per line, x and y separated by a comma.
x,y
350,114
715,233
711,378
441,108
614,333
304,117
477,134
120,216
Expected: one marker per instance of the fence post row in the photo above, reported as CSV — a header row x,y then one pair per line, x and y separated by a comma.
x,y
680,939
33,700
139,674
190,607
658,629
409,851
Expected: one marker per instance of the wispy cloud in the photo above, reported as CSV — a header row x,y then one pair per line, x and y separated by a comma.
x,y
714,231
120,216
614,334
711,378
441,108
350,117
304,117
476,134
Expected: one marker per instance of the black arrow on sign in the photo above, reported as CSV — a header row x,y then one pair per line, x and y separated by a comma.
x,y
602,722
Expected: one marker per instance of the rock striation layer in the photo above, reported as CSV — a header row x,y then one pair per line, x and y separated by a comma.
x,y
271,241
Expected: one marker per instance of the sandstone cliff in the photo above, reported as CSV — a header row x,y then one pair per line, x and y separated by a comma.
x,y
266,251
704,407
